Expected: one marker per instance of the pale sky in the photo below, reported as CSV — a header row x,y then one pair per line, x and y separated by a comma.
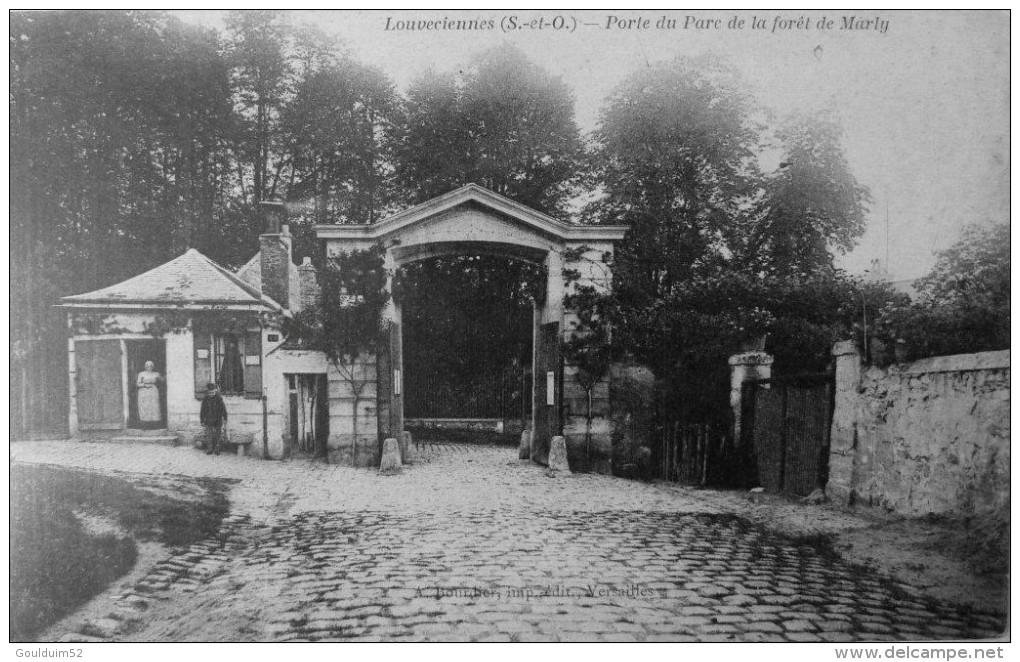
x,y
925,105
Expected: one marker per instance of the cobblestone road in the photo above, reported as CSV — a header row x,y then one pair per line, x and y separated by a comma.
x,y
472,544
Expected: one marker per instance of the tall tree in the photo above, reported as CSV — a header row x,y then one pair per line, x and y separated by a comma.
x,y
813,206
505,124
333,131
262,75
431,139
963,304
676,146
718,256
118,122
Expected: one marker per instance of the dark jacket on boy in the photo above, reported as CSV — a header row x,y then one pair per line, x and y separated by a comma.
x,y
214,412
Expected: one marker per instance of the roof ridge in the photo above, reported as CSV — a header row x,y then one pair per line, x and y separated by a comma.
x,y
189,260
254,259
248,289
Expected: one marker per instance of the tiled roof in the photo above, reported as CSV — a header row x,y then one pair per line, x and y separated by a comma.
x,y
191,279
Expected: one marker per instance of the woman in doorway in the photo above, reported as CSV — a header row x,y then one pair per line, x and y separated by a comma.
x,y
148,394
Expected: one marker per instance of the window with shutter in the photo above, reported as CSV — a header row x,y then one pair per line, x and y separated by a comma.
x,y
253,363
228,363
203,363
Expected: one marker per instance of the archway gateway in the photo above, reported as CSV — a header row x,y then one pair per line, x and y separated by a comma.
x,y
475,221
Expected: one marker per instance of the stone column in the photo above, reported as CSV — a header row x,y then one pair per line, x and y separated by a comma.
x,y
843,435
746,367
554,290
72,371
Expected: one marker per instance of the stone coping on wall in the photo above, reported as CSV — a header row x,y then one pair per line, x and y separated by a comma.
x,y
959,363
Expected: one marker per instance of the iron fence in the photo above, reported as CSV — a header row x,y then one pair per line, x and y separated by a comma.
x,y
495,394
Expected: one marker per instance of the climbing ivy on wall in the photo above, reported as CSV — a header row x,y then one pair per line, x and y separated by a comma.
x,y
94,324
590,343
176,321
347,322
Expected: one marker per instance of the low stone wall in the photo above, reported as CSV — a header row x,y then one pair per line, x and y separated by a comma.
x,y
925,437
481,424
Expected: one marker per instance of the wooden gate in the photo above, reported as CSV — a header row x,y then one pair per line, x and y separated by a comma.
x,y
786,423
99,384
694,453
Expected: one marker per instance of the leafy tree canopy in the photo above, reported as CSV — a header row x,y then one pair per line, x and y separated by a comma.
x,y
347,323
675,150
504,124
964,303
720,254
812,205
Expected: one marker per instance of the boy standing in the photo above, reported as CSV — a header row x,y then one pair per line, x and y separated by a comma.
x,y
213,415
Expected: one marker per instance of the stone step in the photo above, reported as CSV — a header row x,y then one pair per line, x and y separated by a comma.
x,y
133,436
138,432
163,440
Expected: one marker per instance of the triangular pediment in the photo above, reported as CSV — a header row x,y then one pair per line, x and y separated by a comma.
x,y
483,206
479,199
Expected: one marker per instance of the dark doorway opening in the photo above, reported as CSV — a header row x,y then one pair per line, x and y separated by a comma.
x,y
138,352
308,398
468,327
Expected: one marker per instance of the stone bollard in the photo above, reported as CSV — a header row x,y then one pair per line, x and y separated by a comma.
x,y
558,455
407,453
525,449
390,463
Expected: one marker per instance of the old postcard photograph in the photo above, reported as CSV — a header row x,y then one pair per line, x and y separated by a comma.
x,y
676,326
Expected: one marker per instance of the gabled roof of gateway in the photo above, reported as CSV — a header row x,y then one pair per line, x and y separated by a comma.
x,y
481,196
191,279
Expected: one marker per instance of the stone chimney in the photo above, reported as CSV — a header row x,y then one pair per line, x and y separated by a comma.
x,y
309,284
275,252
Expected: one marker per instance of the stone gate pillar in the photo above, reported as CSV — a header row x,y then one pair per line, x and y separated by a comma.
x,y
547,392
745,367
390,364
843,435
588,425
